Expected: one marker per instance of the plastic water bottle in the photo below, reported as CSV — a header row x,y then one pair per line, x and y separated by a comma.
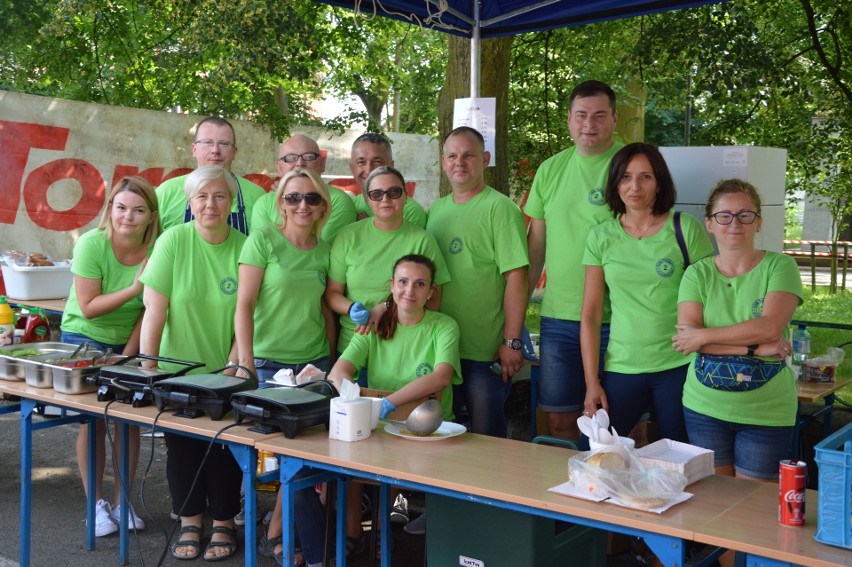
x,y
801,345
7,323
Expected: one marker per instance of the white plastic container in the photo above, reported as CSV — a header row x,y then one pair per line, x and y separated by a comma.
x,y
37,282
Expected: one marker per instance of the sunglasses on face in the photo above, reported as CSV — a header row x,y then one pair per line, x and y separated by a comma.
x,y
378,194
312,199
743,217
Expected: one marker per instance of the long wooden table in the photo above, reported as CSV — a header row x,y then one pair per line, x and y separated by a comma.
x,y
56,305
499,472
239,439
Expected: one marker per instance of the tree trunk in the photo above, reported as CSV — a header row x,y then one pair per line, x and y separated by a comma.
x,y
495,57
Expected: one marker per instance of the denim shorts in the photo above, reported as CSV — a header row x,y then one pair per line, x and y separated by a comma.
x,y
266,369
480,400
754,450
78,339
562,387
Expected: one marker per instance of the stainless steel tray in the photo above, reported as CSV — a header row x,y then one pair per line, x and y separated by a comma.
x,y
13,368
72,380
38,370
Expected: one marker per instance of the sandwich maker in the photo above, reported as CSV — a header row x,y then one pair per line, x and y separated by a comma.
x,y
195,394
285,409
130,383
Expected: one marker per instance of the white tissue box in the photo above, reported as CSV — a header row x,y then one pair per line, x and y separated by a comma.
x,y
350,420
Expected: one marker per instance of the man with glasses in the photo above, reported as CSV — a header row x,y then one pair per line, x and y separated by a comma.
x,y
301,151
566,201
370,151
215,144
482,237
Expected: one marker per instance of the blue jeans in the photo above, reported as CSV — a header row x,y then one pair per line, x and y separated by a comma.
x,y
754,450
266,369
630,396
562,387
310,522
78,339
484,394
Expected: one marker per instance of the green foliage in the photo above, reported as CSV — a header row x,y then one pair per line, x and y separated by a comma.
x,y
792,226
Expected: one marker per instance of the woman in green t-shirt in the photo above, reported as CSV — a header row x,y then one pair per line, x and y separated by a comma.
x,y
413,353
740,397
282,281
105,310
638,259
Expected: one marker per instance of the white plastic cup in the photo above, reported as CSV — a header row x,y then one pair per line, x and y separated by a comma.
x,y
627,442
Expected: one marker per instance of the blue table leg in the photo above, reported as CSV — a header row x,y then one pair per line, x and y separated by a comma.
x,y
124,479
669,550
342,499
246,458
290,467
384,514
91,480
27,407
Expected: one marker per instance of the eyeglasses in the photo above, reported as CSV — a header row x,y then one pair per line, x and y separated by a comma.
x,y
743,217
224,144
378,194
312,199
293,158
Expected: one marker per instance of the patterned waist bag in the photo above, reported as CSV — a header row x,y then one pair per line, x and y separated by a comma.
x,y
735,373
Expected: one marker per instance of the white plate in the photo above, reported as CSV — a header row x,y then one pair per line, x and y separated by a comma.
x,y
447,430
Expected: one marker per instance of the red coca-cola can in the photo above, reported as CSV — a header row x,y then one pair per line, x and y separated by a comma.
x,y
792,481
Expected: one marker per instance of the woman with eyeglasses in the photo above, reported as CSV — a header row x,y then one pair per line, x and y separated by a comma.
x,y
740,397
364,253
282,320
638,257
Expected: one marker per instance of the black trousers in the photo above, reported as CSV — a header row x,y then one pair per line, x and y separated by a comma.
x,y
217,489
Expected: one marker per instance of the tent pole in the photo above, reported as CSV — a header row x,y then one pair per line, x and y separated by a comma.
x,y
475,45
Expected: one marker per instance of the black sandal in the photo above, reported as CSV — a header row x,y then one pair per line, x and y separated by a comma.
x,y
266,545
230,546
196,544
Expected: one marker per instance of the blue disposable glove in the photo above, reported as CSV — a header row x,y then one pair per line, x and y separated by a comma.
x,y
387,408
358,313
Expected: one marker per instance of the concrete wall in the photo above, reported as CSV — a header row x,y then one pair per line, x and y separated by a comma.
x,y
58,158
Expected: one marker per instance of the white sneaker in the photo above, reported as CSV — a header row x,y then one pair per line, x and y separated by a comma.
x,y
399,513
103,520
132,518
240,519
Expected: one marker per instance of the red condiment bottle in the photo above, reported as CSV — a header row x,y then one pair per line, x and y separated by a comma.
x,y
37,329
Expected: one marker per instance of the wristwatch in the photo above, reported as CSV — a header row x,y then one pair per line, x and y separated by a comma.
x,y
514,344
750,349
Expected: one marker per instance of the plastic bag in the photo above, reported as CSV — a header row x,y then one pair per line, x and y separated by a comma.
x,y
618,473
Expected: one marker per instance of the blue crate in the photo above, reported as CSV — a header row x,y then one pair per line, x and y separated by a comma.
x,y
834,515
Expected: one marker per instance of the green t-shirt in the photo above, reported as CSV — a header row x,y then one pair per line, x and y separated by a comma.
x,y
172,200
413,211
362,259
95,259
200,280
412,352
643,276
481,240
289,326
568,193
727,301
342,213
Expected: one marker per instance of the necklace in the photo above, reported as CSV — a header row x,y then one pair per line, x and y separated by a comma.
x,y
640,234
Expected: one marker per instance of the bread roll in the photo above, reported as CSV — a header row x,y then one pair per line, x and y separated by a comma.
x,y
612,462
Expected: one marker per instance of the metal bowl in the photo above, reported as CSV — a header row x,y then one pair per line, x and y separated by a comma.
x,y
13,367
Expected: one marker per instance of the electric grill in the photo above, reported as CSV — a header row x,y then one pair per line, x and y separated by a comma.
x,y
288,409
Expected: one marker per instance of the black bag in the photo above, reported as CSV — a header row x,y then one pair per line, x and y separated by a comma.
x,y
735,373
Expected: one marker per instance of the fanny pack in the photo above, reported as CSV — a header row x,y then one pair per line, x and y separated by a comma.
x,y
735,373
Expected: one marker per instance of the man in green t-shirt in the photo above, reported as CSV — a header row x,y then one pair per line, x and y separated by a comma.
x,y
215,143
481,234
369,151
566,201
301,151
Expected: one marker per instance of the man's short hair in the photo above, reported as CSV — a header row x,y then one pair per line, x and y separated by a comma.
x,y
220,122
592,88
374,138
466,130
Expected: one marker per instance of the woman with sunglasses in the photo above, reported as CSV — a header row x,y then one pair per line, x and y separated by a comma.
x,y
281,319
739,398
637,258
364,253
283,322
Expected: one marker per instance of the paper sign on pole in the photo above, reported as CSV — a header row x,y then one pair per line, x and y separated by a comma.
x,y
478,113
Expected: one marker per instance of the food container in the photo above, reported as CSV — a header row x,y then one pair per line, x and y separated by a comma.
x,y
812,372
12,365
37,282
38,370
71,377
693,462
